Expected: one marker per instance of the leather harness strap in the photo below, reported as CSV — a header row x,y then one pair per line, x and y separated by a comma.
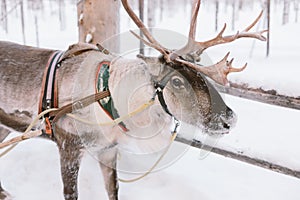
x,y
81,104
49,92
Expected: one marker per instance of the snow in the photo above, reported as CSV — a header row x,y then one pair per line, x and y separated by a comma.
x,y
51,32
265,132
31,170
189,178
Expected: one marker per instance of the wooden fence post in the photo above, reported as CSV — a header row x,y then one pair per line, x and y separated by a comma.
x,y
98,20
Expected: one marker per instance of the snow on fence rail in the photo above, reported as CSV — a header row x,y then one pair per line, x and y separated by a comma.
x,y
241,157
261,95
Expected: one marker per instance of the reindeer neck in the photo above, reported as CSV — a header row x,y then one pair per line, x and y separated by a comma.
x,y
21,72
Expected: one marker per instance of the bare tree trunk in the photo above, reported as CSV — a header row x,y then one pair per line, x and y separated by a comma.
x,y
141,15
233,16
36,5
161,9
4,15
62,17
36,31
151,13
98,20
286,8
216,15
296,7
151,8
268,26
241,4
226,6
23,22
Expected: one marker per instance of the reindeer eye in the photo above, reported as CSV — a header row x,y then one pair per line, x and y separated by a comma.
x,y
177,82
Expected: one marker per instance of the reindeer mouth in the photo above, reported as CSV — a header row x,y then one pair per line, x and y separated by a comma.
x,y
214,132
221,124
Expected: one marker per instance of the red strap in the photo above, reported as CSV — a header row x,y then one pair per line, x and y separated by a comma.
x,y
48,127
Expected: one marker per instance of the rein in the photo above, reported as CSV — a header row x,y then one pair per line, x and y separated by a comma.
x,y
52,112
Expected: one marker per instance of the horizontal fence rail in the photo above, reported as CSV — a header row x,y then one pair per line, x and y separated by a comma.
x,y
258,94
241,157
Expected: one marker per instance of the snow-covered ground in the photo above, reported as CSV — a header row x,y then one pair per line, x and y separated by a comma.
x,y
31,170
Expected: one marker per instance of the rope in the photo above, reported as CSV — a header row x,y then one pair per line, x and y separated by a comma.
x,y
120,119
115,121
26,135
174,134
30,134
8,150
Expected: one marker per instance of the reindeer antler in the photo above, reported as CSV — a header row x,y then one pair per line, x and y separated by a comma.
x,y
152,42
220,39
191,44
219,71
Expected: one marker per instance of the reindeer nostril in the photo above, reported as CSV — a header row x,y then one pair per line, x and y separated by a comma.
x,y
225,125
229,112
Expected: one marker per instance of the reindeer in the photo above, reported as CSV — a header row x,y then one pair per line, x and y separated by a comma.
x,y
185,93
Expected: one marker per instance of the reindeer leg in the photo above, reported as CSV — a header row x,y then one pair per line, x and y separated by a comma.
x,y
4,132
69,161
70,156
3,194
109,172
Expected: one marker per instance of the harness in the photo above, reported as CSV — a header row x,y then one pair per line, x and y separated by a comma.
x,y
101,84
49,95
159,86
50,113
107,104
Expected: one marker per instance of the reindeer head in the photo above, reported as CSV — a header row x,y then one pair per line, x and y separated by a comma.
x,y
185,82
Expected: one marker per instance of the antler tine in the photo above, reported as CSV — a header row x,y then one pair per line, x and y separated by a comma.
x,y
217,72
153,45
143,28
191,45
254,22
193,24
257,35
220,39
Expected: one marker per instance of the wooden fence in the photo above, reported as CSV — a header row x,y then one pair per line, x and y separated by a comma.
x,y
260,95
